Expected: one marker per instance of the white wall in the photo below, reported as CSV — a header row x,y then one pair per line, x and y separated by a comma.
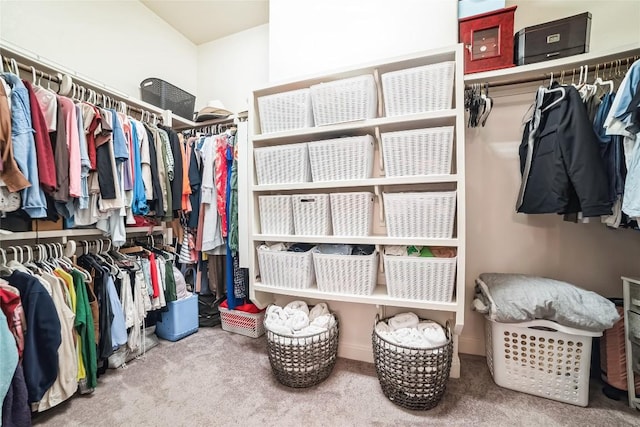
x,y
118,43
309,37
231,67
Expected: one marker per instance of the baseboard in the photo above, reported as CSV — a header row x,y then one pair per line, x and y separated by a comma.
x,y
469,345
356,352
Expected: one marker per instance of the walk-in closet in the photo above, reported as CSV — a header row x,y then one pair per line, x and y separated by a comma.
x,y
284,213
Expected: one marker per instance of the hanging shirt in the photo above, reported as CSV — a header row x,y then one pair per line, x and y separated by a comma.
x,y
73,143
24,150
85,161
48,106
9,357
84,328
139,202
40,361
9,171
12,308
44,150
221,180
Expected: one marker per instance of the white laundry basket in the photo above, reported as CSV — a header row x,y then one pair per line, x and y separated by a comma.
x,y
420,278
282,164
425,214
418,152
344,100
352,213
285,111
276,214
346,274
311,214
341,158
419,89
542,358
285,269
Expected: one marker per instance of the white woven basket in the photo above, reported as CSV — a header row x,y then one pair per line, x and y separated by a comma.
x,y
418,278
418,90
241,322
426,215
418,152
341,158
344,100
286,269
282,164
549,363
352,213
346,274
311,214
276,214
285,111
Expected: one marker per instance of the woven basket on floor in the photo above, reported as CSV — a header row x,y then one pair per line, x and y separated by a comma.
x,y
412,377
303,361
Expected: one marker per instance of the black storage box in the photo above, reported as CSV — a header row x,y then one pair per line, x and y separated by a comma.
x,y
168,97
555,39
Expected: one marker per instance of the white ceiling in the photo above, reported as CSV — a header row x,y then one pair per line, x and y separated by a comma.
x,y
206,20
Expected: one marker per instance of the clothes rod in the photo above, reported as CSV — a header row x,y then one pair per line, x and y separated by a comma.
x,y
615,67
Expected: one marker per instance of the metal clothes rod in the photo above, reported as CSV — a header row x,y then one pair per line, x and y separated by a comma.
x,y
612,66
107,97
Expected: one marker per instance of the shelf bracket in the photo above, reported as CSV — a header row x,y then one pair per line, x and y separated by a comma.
x,y
376,76
380,260
378,193
379,143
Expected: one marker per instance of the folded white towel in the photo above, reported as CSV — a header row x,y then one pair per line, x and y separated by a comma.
x,y
325,321
382,327
297,320
298,305
318,310
403,320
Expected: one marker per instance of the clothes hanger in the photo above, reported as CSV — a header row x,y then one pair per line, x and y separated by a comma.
x,y
4,269
548,91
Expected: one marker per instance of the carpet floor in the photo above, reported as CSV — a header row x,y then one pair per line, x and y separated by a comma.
x,y
216,378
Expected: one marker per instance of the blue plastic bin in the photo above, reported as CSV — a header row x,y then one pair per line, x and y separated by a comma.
x,y
180,321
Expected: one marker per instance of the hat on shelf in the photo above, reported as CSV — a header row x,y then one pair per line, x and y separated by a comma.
x,y
213,110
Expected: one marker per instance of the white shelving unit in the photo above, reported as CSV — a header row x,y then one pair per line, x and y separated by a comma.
x,y
263,294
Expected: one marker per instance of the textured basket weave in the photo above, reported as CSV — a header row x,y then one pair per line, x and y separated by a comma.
x,y
351,213
346,274
292,270
282,164
418,278
413,378
530,358
418,90
344,100
426,215
634,326
276,214
168,97
285,111
311,214
241,322
305,361
341,158
418,152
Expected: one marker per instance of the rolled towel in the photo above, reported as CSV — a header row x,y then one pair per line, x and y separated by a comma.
x,y
309,330
279,329
298,305
297,320
318,310
325,321
278,311
403,320
382,327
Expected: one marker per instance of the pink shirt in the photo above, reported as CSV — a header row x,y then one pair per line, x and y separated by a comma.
x,y
73,142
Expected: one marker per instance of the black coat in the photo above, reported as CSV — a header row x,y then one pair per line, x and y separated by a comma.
x,y
567,172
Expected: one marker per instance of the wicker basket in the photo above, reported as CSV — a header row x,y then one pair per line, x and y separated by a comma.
x,y
311,214
341,158
351,213
418,152
542,358
346,274
418,278
276,214
303,361
282,164
344,100
427,215
241,322
285,111
292,270
413,378
418,90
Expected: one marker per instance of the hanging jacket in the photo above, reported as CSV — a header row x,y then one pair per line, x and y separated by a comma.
x,y
566,173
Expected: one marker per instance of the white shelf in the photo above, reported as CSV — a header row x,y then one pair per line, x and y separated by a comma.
x,y
364,240
379,297
371,182
52,234
384,124
542,69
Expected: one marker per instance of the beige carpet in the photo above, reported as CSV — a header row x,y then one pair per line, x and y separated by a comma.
x,y
215,378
